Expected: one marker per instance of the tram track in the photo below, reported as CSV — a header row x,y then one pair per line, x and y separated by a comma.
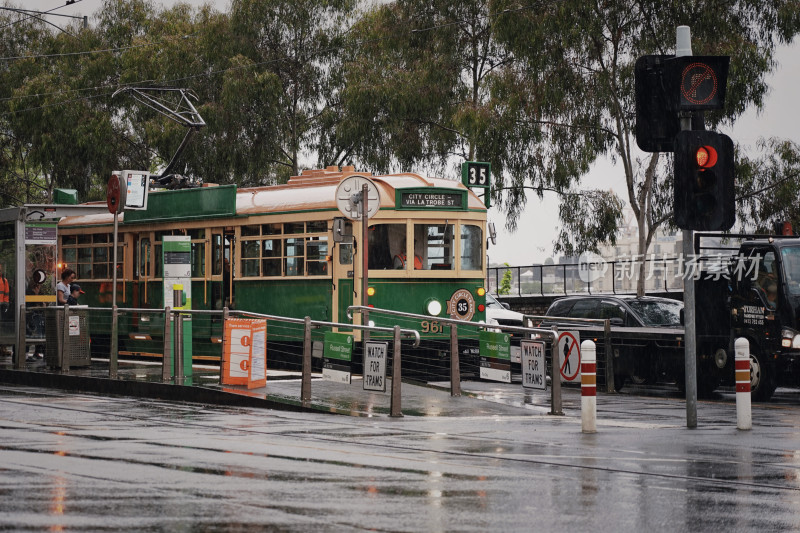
x,y
382,450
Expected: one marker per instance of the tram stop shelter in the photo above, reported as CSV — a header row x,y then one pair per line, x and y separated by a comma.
x,y
29,267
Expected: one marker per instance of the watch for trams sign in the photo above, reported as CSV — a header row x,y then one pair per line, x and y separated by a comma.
x,y
461,304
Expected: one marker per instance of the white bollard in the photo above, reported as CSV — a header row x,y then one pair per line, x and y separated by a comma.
x,y
744,415
588,387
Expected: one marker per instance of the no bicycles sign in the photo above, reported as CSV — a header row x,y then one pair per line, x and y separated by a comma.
x,y
569,354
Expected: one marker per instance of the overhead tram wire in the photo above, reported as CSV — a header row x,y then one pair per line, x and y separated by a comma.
x,y
174,81
89,52
48,12
100,87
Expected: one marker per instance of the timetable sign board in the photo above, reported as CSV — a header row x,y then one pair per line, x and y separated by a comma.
x,y
137,185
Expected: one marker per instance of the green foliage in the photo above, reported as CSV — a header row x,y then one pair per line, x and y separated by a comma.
x,y
505,283
768,186
539,90
429,82
593,47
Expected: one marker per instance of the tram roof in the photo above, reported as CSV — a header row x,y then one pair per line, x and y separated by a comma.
x,y
313,190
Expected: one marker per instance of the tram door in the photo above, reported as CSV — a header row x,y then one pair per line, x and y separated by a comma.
x,y
142,293
343,269
228,268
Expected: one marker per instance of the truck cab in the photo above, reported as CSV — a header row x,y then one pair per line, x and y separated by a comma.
x,y
765,309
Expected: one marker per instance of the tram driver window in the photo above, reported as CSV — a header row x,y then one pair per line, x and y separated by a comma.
x,y
435,245
471,247
385,242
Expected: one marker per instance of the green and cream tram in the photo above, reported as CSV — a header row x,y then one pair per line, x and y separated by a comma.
x,y
286,250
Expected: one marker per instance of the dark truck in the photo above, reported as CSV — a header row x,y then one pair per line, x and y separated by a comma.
x,y
757,297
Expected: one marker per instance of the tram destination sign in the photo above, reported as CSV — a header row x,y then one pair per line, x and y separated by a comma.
x,y
426,198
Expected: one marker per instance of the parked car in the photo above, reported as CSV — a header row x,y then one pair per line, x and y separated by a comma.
x,y
499,313
645,311
640,359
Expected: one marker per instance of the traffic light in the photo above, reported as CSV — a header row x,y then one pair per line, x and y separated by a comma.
x,y
704,181
656,122
697,83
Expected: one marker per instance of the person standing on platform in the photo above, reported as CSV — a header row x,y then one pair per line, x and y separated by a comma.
x,y
62,289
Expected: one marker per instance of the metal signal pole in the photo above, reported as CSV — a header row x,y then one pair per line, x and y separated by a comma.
x,y
684,48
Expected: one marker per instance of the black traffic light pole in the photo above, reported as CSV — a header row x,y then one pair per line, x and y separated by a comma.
x,y
684,48
671,94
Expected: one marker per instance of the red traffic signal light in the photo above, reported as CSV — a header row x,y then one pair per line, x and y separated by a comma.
x,y
704,181
706,157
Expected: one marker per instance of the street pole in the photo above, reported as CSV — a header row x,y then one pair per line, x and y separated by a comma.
x,y
684,48
112,362
365,258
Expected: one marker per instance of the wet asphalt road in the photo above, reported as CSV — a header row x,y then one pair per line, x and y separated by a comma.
x,y
81,462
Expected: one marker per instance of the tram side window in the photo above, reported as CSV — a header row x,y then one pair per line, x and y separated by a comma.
x,y
316,256
272,251
293,263
144,257
288,249
216,254
435,245
471,247
346,248
198,259
198,255
251,255
386,241
90,255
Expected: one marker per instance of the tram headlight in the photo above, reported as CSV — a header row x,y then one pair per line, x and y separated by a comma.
x,y
371,291
433,307
481,291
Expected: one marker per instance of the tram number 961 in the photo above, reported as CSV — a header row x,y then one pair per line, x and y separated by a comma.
x,y
431,326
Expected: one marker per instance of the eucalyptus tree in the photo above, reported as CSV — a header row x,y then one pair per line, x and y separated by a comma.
x,y
769,186
180,48
600,41
429,84
60,127
20,177
282,85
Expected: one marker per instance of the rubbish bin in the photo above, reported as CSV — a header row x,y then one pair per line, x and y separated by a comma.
x,y
78,350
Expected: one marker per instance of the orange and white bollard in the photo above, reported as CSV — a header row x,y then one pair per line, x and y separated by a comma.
x,y
588,387
744,415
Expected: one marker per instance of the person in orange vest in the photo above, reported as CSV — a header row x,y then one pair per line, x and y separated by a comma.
x,y
5,292
400,259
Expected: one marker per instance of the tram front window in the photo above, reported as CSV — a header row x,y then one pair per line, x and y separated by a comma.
x,y
471,247
435,245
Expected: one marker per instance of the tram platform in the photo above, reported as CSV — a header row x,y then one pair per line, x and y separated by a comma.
x,y
282,392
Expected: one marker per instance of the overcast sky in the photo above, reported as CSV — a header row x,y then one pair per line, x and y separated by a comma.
x,y
532,242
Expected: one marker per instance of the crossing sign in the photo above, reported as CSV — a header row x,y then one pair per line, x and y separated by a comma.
x,y
569,354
